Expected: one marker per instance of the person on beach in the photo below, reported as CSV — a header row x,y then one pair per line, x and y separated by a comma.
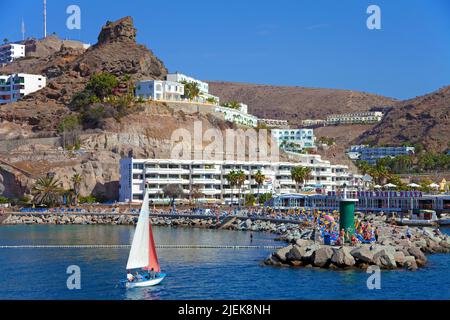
x,y
377,234
408,233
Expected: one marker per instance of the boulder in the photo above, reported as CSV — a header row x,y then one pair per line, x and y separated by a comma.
x,y
385,258
304,242
309,250
322,256
296,253
421,243
272,260
418,255
399,257
363,254
281,253
410,263
343,258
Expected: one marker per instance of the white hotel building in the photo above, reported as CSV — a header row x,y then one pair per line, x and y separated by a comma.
x,y
238,116
209,176
355,118
172,89
15,86
303,138
10,52
159,90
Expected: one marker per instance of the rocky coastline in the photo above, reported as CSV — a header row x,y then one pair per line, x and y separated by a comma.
x,y
392,251
286,231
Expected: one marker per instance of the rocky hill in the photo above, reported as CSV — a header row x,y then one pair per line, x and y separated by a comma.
x,y
296,103
424,120
68,70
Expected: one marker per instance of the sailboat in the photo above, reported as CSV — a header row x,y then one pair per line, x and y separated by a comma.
x,y
143,252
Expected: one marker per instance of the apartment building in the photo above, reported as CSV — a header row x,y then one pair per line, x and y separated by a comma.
x,y
274,123
355,118
15,86
209,178
294,139
238,116
371,155
10,52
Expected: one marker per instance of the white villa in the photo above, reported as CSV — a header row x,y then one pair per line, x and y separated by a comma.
x,y
172,89
238,116
15,86
209,177
159,90
10,52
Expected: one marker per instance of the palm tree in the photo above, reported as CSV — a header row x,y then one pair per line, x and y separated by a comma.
x,y
191,90
240,180
5,40
76,179
196,193
381,174
47,191
300,175
259,179
70,196
231,177
364,167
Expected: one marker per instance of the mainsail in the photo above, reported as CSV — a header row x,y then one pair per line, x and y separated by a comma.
x,y
143,251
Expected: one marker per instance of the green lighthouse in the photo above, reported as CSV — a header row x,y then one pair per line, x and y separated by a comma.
x,y
347,213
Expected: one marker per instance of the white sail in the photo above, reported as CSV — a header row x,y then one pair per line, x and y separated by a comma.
x,y
139,253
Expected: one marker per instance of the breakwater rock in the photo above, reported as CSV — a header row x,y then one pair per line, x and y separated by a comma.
x,y
286,231
390,253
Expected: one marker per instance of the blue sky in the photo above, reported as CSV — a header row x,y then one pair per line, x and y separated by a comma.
x,y
298,42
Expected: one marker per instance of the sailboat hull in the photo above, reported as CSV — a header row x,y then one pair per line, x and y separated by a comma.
x,y
146,283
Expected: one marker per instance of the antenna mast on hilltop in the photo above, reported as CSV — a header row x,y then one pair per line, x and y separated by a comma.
x,y
45,18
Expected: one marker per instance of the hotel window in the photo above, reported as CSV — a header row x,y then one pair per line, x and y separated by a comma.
x,y
138,166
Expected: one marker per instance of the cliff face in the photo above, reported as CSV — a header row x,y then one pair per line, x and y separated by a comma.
x,y
424,120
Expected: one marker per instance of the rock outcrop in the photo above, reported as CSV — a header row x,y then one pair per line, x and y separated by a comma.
x,y
392,251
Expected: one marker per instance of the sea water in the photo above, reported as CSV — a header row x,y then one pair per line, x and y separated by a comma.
x,y
191,273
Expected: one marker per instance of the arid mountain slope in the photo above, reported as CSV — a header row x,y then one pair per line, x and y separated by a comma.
x,y
296,103
424,120
68,70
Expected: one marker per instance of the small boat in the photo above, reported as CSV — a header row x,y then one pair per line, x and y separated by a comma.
x,y
444,220
420,218
143,255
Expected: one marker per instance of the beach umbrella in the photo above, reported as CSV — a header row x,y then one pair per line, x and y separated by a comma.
x,y
413,185
434,186
390,185
329,218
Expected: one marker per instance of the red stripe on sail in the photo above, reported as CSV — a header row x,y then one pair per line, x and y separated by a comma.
x,y
153,258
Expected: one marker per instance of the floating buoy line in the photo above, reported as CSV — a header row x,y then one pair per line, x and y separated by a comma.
x,y
125,246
